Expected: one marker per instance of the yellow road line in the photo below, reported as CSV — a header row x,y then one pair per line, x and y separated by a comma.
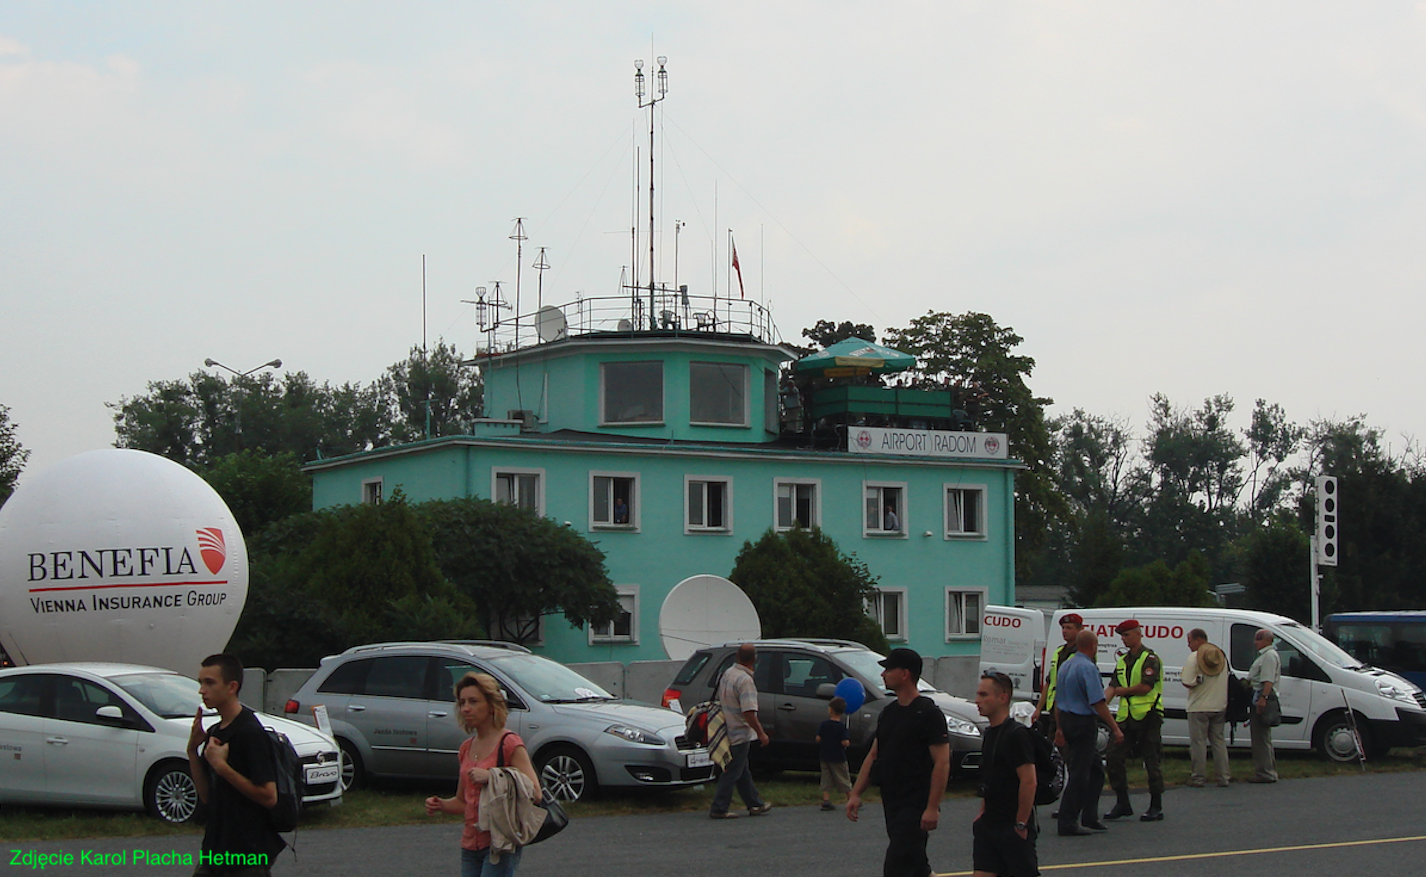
x,y
1218,855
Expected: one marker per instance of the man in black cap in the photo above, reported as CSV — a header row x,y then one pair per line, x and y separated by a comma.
x,y
911,757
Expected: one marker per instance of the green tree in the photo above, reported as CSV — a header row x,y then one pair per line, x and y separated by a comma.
x,y
259,488
1155,584
803,585
516,566
1271,441
1276,568
453,391
12,455
977,358
826,333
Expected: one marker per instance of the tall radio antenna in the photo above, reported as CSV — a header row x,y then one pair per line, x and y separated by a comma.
x,y
662,88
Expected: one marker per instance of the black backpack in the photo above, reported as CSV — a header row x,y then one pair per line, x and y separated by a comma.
x,y
288,773
1050,770
1240,700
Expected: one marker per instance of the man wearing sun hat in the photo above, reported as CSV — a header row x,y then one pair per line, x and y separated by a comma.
x,y
1207,686
1139,684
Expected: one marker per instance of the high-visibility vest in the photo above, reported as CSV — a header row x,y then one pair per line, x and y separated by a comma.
x,y
1052,675
1139,706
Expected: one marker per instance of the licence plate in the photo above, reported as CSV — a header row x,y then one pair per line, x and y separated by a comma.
x,y
699,759
323,773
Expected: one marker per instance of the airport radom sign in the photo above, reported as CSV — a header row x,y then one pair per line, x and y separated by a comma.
x,y
119,555
927,443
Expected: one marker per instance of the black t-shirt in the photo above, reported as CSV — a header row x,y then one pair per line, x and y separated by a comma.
x,y
904,735
236,824
832,732
1004,747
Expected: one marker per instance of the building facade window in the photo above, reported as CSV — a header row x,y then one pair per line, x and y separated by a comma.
x,y
965,511
522,488
884,508
371,491
888,607
718,394
614,500
631,392
963,611
625,626
709,504
798,504
772,414
524,629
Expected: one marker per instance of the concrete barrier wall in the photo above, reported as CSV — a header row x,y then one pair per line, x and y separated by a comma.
x,y
281,685
956,674
609,675
646,680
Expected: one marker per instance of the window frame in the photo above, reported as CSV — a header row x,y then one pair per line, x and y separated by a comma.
x,y
815,484
504,634
598,638
878,612
982,517
370,497
901,514
956,590
497,471
746,415
603,395
635,493
772,403
703,529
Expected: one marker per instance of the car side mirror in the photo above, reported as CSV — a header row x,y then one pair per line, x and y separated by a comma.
x,y
826,691
112,715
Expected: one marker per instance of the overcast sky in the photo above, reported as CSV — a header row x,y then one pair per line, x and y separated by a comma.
x,y
1187,198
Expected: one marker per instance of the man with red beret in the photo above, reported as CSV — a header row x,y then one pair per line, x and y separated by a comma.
x,y
1070,625
1139,684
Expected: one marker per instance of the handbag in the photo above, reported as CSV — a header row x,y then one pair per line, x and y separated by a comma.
x,y
555,816
1272,712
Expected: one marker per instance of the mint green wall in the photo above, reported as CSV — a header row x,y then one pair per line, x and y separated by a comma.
x,y
660,554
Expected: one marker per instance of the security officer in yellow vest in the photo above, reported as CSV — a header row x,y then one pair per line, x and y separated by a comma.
x,y
1139,684
1044,717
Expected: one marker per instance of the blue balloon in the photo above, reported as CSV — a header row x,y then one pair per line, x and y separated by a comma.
x,y
852,692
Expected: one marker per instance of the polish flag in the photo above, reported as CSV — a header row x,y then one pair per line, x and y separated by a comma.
x,y
742,293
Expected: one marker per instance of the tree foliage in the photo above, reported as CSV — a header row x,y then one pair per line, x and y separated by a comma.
x,y
517,566
260,489
12,455
803,585
826,332
1276,569
1155,584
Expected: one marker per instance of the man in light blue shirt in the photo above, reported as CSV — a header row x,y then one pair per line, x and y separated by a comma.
x,y
1264,676
1079,697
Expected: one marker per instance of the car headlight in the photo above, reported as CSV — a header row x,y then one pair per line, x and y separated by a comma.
x,y
635,735
961,727
1394,691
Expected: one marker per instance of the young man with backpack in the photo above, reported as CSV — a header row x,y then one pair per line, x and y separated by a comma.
x,y
232,765
1005,828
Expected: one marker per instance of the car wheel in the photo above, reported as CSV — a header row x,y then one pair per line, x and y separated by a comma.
x,y
565,772
353,774
1334,739
170,793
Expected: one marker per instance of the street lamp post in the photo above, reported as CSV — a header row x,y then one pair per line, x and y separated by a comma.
x,y
238,419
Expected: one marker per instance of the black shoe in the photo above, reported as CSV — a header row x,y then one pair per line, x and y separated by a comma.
x,y
1096,826
1074,831
1120,810
1055,815
1153,814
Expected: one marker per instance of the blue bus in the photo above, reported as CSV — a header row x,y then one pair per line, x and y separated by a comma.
x,y
1394,641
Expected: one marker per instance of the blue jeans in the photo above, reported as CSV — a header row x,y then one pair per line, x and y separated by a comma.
x,y
476,863
736,773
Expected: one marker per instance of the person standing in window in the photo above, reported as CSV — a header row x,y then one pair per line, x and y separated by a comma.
x,y
621,511
892,522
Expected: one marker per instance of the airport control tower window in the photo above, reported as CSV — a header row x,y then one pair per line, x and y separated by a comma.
x,y
631,392
718,393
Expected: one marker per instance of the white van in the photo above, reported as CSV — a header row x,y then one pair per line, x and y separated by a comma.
x,y
1012,641
1319,680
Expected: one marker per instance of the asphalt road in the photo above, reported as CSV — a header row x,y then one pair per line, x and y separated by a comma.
x,y
1302,828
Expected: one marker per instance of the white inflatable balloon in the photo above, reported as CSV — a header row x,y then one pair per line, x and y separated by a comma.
x,y
119,555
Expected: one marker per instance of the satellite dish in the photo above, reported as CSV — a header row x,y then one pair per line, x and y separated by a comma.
x,y
550,323
705,610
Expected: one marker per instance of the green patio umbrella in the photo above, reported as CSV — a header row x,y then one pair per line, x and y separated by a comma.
x,y
852,357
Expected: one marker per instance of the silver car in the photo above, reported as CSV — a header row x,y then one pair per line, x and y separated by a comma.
x,y
392,710
116,736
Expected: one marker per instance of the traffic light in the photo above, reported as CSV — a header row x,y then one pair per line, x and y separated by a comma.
x,y
1326,520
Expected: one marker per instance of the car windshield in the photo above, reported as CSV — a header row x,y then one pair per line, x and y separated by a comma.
x,y
864,663
547,681
1322,647
165,694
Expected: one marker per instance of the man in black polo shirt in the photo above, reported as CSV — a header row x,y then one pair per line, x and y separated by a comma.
x,y
911,758
232,766
1005,828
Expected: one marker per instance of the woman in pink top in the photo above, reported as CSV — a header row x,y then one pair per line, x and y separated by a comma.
x,y
481,707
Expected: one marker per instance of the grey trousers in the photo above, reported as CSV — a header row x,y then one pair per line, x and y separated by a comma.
x,y
1205,729
1264,761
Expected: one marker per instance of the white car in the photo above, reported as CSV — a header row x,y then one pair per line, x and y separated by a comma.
x,y
116,736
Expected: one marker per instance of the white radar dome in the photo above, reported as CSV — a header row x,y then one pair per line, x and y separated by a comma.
x,y
119,555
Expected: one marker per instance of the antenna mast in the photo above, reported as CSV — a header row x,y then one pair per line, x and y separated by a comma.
x,y
518,236
662,88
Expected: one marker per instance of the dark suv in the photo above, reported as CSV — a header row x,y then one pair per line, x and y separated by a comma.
x,y
796,678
